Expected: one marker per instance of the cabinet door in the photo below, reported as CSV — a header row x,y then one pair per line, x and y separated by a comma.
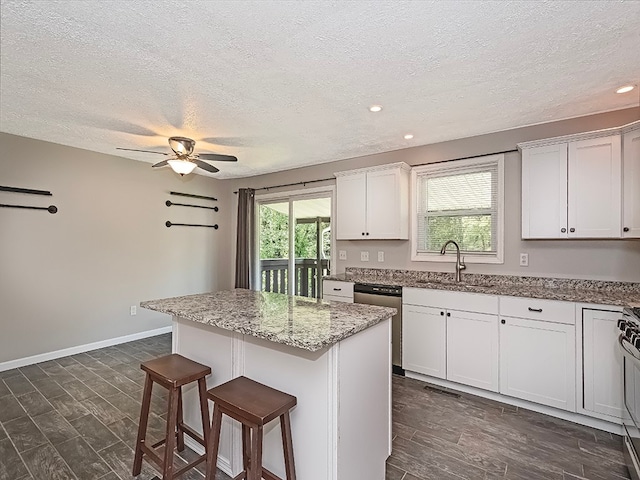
x,y
424,340
351,201
472,349
537,362
602,363
387,196
544,192
595,185
631,185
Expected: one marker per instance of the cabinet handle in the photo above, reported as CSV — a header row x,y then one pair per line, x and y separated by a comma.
x,y
563,230
441,313
367,233
362,233
539,310
448,314
572,230
625,229
503,321
337,289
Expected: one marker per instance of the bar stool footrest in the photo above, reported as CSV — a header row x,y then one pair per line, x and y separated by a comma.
x,y
193,434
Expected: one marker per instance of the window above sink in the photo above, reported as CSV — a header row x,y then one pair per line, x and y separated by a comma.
x,y
461,200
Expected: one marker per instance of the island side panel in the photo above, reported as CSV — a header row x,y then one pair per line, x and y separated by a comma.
x,y
215,348
364,415
310,377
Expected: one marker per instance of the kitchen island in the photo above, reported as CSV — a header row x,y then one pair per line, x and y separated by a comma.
x,y
334,357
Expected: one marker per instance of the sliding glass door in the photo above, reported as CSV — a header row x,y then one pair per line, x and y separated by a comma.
x,y
294,235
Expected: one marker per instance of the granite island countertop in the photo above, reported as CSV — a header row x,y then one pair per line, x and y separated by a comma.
x,y
307,323
599,292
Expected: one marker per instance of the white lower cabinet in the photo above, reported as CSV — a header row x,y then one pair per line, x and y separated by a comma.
x,y
472,349
537,361
602,374
424,334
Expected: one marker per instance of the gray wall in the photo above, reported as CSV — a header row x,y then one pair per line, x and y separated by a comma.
x,y
69,279
606,260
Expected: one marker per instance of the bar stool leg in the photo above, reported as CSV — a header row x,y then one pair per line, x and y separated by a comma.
x,y
214,443
179,430
246,447
204,410
172,417
256,453
142,426
287,445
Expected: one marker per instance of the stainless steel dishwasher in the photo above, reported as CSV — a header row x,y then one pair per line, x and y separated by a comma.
x,y
385,296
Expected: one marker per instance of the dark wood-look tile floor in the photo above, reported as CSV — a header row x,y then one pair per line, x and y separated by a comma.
x,y
76,418
441,436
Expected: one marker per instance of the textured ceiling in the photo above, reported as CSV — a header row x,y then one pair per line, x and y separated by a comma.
x,y
283,84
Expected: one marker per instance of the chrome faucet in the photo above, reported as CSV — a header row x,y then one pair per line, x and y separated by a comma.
x,y
459,264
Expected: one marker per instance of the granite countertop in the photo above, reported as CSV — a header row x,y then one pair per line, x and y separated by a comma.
x,y
302,322
621,294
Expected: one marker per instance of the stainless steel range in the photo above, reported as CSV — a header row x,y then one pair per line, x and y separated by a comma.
x,y
629,342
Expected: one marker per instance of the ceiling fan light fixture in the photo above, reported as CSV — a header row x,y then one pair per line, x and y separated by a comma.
x,y
182,145
183,167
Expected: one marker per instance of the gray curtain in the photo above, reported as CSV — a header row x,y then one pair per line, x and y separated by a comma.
x,y
245,242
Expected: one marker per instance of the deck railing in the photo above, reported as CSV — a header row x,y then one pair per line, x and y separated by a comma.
x,y
274,275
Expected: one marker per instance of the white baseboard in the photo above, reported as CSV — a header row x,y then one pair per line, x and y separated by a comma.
x,y
223,463
551,411
65,352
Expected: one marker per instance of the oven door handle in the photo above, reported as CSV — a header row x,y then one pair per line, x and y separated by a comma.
x,y
625,350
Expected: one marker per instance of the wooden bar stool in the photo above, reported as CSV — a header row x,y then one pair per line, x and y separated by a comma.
x,y
254,405
172,372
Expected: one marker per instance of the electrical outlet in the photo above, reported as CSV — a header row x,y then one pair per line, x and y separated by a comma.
x,y
133,310
364,256
524,259
342,254
381,256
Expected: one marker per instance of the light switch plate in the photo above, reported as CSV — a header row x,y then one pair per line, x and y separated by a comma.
x,y
342,254
364,256
524,259
381,256
133,310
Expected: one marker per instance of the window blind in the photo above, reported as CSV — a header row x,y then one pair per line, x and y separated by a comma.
x,y
461,204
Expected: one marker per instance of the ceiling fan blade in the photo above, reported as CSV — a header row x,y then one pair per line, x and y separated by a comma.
x,y
205,165
217,157
145,151
163,163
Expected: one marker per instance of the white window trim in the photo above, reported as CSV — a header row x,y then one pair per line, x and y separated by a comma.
x,y
494,258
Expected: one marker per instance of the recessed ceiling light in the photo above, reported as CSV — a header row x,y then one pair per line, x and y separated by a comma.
x,y
625,89
375,108
408,136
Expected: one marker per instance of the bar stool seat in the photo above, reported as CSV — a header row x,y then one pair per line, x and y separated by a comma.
x,y
172,372
254,405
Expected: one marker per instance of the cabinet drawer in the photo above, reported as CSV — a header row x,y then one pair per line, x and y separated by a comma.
x,y
469,302
537,309
337,289
336,298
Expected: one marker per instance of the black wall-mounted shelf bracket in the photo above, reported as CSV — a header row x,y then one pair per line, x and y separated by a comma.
x,y
30,191
191,195
169,203
170,224
50,208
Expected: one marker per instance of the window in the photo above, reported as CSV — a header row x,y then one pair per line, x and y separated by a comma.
x,y
460,200
294,241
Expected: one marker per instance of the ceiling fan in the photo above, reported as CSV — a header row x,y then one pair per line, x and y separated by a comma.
x,y
183,160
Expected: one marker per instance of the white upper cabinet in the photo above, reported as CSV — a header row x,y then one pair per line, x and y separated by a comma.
x,y
595,201
373,203
572,187
544,192
631,183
